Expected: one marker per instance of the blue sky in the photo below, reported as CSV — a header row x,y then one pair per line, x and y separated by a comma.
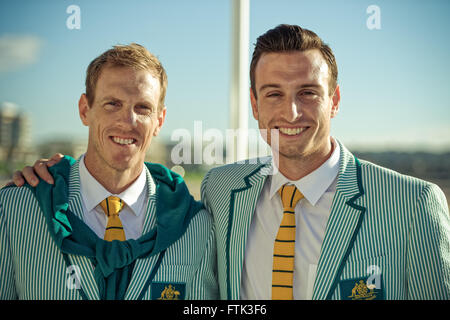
x,y
394,81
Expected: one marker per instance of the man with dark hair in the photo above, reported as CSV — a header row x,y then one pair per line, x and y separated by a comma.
x,y
313,221
324,225
293,38
110,227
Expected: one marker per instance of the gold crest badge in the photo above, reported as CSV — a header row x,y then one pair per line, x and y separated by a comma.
x,y
362,292
169,293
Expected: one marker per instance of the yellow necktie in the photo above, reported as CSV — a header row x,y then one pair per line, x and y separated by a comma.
x,y
284,247
114,229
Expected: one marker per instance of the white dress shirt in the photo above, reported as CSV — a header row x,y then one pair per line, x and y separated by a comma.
x,y
311,216
132,214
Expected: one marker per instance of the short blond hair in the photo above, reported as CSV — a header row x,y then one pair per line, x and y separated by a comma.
x,y
133,55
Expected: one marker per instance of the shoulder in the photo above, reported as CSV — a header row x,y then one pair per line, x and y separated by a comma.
x,y
199,230
401,186
237,170
221,180
203,217
17,205
12,196
377,174
372,175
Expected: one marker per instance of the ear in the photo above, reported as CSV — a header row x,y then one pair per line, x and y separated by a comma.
x,y
335,101
254,105
83,109
161,119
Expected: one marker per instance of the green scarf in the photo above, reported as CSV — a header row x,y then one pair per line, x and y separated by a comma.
x,y
114,261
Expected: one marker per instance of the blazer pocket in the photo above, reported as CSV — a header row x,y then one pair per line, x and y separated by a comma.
x,y
364,279
172,282
175,272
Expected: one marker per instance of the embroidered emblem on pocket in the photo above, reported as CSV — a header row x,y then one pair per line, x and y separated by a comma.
x,y
168,290
358,289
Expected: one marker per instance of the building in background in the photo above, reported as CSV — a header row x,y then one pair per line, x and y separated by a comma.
x,y
15,127
15,137
71,147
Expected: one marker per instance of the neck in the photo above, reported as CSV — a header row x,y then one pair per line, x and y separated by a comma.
x,y
114,181
295,168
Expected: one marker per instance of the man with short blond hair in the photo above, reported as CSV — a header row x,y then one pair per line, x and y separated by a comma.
x,y
110,227
132,55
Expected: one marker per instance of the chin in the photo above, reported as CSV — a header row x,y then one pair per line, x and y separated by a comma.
x,y
123,163
293,155
288,153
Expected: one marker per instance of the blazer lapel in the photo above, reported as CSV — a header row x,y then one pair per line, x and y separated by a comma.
x,y
81,264
243,201
141,272
343,225
143,267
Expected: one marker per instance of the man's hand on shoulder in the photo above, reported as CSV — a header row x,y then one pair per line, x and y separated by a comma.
x,y
32,174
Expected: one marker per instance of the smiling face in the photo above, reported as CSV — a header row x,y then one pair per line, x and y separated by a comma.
x,y
122,120
292,97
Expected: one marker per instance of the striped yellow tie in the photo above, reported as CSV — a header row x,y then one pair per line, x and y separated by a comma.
x,y
114,229
284,248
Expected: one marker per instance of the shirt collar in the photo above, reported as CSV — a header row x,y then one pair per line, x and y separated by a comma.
x,y
313,185
93,192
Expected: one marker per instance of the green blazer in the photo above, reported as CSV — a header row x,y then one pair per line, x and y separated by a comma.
x,y
32,266
387,237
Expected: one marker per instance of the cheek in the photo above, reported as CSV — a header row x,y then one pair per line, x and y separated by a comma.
x,y
98,122
324,121
149,127
263,115
95,131
322,112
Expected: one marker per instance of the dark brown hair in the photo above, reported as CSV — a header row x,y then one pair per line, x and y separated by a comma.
x,y
292,38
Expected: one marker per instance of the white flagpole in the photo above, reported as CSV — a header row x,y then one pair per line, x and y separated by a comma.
x,y
239,88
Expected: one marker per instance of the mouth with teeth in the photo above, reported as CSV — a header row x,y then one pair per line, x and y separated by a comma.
x,y
291,131
123,141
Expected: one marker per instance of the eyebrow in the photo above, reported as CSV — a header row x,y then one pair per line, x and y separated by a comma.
x,y
269,85
110,98
277,86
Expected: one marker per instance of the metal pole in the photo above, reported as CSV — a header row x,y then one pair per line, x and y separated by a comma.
x,y
239,88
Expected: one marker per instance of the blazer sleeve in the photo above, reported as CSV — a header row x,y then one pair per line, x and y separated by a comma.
x,y
429,247
7,284
205,278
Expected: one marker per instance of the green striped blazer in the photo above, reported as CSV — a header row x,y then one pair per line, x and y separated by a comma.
x,y
387,237
32,267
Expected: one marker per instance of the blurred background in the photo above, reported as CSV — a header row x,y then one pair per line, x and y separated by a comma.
x,y
392,56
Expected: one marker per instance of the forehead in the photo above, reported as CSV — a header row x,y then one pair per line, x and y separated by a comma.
x,y
292,67
127,82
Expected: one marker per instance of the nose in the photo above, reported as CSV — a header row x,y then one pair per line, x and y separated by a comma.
x,y
293,110
127,118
